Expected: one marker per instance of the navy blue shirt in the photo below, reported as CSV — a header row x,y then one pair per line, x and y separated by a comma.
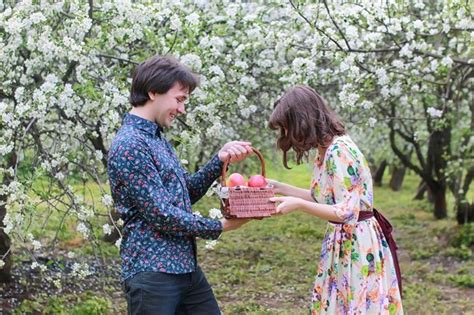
x,y
153,193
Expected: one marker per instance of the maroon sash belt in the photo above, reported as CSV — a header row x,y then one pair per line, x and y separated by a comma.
x,y
387,232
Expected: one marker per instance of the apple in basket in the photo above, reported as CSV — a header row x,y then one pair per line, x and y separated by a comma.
x,y
257,181
235,179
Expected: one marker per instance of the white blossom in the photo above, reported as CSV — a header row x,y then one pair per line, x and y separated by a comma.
x,y
193,19
382,78
447,61
372,121
215,213
9,223
249,82
107,200
210,244
99,155
106,228
193,61
418,25
57,283
176,23
83,229
435,113
367,104
385,92
59,176
217,71
406,51
215,131
247,111
34,265
36,245
398,63
241,64
434,65
80,270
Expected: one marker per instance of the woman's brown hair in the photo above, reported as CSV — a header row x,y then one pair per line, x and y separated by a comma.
x,y
305,122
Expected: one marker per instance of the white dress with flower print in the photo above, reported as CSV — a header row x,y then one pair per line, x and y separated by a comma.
x,y
356,273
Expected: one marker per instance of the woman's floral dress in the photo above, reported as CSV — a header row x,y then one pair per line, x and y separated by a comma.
x,y
356,273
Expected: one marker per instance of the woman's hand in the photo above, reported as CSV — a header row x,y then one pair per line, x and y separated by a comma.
x,y
287,204
277,186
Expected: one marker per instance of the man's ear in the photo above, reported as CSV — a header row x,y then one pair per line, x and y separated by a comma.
x,y
151,95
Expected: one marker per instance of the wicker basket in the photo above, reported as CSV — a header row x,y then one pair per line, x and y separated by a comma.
x,y
246,202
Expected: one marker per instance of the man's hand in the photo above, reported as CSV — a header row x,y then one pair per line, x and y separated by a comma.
x,y
287,204
232,224
235,151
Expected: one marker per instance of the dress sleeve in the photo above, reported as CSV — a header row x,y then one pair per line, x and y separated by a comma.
x,y
345,182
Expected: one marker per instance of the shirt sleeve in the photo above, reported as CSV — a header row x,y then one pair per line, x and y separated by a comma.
x,y
133,167
198,183
344,175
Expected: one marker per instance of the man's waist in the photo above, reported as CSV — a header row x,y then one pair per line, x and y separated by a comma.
x,y
184,266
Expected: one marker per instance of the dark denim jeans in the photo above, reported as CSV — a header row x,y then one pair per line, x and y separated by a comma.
x,y
164,293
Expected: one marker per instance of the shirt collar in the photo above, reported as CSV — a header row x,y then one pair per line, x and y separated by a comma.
x,y
143,124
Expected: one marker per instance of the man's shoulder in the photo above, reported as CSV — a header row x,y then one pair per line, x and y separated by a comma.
x,y
128,138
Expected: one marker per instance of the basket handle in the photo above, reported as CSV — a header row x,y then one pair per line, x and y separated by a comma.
x,y
226,164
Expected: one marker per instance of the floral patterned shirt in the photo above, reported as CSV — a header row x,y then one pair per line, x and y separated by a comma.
x,y
153,193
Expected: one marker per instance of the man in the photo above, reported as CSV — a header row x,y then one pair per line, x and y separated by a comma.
x,y
154,193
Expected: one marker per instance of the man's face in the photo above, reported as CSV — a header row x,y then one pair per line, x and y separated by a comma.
x,y
169,105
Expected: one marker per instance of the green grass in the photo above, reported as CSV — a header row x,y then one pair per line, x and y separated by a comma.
x,y
268,266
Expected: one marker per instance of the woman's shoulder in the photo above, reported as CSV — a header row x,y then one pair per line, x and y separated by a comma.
x,y
342,142
344,145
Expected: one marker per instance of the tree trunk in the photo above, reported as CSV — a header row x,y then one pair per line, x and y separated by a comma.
x,y
378,175
5,241
439,196
398,174
465,212
420,192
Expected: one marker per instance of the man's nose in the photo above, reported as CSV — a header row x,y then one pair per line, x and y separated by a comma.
x,y
181,109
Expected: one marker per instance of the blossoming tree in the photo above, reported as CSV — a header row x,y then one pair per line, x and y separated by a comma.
x,y
409,66
65,73
65,70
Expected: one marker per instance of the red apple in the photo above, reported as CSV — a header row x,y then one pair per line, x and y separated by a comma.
x,y
257,181
235,179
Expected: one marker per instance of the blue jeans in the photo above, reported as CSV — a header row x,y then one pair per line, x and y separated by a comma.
x,y
164,293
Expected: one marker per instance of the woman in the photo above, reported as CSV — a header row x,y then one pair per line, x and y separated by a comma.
x,y
357,273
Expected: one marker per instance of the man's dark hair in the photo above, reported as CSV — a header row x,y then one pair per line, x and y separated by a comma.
x,y
157,75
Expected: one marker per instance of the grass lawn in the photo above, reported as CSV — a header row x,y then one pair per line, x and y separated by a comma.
x,y
267,266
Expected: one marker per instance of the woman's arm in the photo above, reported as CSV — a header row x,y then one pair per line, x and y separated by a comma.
x,y
289,190
290,204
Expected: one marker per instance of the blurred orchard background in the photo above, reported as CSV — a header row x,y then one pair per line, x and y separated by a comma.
x,y
399,73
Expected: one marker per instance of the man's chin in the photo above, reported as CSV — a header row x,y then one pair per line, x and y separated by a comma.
x,y
165,124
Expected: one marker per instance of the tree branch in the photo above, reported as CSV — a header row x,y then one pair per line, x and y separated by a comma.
x,y
117,58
